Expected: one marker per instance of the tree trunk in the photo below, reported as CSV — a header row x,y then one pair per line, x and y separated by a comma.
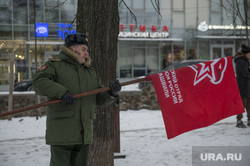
x,y
100,21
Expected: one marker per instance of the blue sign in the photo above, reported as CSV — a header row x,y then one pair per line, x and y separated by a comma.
x,y
64,30
64,33
42,30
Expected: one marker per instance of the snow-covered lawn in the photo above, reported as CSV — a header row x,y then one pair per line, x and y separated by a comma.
x,y
143,140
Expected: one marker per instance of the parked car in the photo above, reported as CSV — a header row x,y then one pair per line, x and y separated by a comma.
x,y
24,85
184,63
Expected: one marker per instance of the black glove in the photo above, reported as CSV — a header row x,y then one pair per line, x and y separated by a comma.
x,y
68,99
115,87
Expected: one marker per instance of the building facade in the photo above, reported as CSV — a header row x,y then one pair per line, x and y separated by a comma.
x,y
151,35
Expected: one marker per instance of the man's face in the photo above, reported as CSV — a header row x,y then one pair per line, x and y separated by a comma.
x,y
82,50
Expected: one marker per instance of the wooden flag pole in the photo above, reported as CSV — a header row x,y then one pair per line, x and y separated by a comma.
x,y
82,94
75,96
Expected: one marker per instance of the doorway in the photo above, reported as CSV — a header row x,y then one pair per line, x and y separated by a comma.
x,y
220,51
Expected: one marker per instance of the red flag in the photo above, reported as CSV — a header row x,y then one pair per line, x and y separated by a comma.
x,y
197,96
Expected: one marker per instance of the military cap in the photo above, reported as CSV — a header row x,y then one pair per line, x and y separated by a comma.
x,y
76,39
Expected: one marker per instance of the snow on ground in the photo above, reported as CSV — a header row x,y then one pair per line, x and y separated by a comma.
x,y
143,140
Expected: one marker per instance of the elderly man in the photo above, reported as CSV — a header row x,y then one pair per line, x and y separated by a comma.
x,y
70,123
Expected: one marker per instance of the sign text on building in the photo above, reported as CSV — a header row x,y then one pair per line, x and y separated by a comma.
x,y
163,32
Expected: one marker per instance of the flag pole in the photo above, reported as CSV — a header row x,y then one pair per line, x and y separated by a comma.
x,y
75,96
83,94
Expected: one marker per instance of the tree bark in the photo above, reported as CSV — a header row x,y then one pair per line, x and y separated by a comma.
x,y
100,21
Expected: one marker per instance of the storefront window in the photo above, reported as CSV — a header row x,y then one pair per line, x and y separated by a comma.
x,y
33,55
21,61
6,53
139,62
4,72
138,58
166,58
191,52
125,59
204,47
152,60
21,32
178,51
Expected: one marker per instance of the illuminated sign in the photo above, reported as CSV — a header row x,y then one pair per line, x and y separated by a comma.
x,y
203,26
63,30
142,32
42,30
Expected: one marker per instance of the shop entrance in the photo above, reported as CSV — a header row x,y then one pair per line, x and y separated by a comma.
x,y
219,51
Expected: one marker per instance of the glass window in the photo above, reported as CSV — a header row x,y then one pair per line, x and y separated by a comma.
x,y
38,10
20,12
5,15
215,6
178,5
216,52
178,20
139,44
5,2
152,60
228,41
203,11
125,59
191,14
4,72
216,19
178,51
67,13
21,60
21,31
139,60
140,17
228,51
125,16
167,56
49,3
138,4
152,18
191,52
39,54
6,48
215,42
51,15
204,52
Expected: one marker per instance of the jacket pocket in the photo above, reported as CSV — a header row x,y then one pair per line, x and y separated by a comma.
x,y
59,114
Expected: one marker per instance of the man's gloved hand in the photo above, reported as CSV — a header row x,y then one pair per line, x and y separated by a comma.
x,y
115,87
68,99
